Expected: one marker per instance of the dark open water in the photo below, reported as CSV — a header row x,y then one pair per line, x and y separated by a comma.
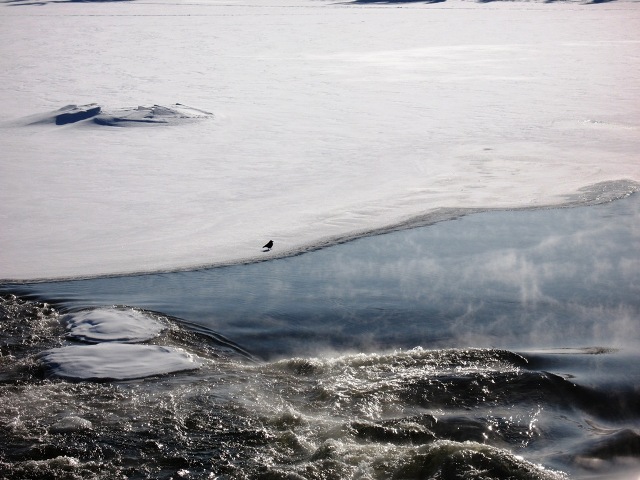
x,y
498,345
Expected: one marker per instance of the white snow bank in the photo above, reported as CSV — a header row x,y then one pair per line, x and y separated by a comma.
x,y
115,361
112,325
330,119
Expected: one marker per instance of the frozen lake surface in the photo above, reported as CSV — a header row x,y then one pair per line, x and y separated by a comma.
x,y
328,120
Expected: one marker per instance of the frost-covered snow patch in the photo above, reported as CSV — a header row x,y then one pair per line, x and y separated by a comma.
x,y
116,361
112,325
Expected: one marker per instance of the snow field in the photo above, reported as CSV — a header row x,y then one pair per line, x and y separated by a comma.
x,y
328,120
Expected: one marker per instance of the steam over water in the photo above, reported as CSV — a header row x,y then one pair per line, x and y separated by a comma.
x,y
502,344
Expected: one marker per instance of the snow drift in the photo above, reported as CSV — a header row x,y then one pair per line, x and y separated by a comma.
x,y
141,115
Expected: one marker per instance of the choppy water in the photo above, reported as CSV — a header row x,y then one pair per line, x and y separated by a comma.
x,y
499,345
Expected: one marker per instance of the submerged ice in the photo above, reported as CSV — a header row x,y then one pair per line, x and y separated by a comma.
x,y
112,325
116,354
115,361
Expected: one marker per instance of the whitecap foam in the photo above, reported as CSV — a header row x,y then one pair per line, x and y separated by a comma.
x,y
112,325
116,361
71,424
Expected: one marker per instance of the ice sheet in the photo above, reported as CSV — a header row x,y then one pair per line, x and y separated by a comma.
x,y
329,120
116,361
112,325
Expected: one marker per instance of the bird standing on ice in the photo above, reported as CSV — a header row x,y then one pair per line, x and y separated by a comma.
x,y
268,245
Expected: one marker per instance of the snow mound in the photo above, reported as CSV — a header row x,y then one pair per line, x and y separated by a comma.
x,y
112,325
116,361
128,116
65,115
153,115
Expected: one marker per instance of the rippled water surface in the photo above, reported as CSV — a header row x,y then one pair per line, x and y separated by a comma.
x,y
498,345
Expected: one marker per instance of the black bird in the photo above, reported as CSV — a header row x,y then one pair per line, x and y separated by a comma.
x,y
268,245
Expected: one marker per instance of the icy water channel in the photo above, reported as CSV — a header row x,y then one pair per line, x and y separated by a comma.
x,y
503,344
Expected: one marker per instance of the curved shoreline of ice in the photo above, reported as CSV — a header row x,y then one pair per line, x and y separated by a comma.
x,y
599,193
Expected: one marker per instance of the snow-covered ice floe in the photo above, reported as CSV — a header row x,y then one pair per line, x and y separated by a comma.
x,y
124,325
116,361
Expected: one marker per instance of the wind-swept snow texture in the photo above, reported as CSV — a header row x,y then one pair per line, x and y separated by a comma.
x,y
329,120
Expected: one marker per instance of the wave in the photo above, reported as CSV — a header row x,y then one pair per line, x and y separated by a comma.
x,y
419,413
